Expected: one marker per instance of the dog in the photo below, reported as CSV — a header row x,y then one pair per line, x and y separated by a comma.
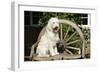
x,y
47,45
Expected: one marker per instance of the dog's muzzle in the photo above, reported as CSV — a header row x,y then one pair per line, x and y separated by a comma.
x,y
56,29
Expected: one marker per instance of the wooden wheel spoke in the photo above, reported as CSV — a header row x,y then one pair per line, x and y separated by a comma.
x,y
78,49
61,34
70,36
69,51
72,42
70,47
66,33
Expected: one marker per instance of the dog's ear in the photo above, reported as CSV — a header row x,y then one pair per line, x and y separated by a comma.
x,y
48,27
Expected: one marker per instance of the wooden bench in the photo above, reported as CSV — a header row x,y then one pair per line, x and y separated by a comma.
x,y
56,57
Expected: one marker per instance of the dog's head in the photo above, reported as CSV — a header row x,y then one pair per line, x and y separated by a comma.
x,y
53,25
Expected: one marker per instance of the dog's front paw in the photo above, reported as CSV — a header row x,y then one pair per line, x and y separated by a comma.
x,y
53,54
43,55
57,53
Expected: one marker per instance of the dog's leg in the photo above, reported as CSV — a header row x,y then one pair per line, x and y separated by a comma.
x,y
55,50
52,51
42,52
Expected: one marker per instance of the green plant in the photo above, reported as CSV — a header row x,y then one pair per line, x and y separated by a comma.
x,y
69,16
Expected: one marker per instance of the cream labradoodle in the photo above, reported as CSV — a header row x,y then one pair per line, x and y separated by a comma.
x,y
47,45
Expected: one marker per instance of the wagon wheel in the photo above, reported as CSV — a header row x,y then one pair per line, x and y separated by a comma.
x,y
71,34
